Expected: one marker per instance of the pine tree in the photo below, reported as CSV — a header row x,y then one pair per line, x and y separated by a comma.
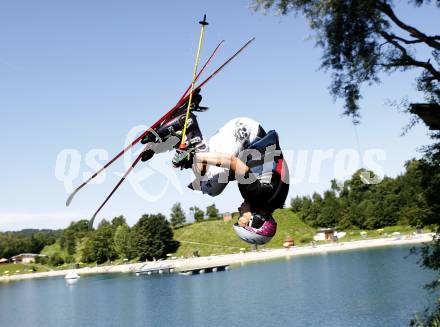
x,y
124,244
177,215
197,213
212,211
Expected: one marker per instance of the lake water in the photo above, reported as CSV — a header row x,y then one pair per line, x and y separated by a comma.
x,y
378,287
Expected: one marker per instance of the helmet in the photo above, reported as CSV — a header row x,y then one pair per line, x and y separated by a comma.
x,y
260,230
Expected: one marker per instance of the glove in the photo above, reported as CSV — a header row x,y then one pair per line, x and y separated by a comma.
x,y
147,155
183,158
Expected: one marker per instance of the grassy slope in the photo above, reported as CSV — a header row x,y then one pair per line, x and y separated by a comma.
x,y
217,236
20,268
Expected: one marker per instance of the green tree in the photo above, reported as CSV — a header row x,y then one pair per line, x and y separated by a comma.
x,y
330,210
368,206
55,259
99,245
296,204
68,241
177,215
153,237
76,231
124,243
430,179
344,221
414,209
83,251
40,239
212,211
197,213
118,221
369,215
312,210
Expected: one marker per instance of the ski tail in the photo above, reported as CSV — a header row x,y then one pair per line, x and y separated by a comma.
x,y
136,161
133,143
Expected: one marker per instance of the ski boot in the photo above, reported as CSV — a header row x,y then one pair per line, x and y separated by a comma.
x,y
169,134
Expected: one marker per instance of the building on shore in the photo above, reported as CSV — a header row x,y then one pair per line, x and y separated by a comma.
x,y
26,257
328,234
288,242
325,234
227,216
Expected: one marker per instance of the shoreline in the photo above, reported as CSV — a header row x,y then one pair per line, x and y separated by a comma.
x,y
231,259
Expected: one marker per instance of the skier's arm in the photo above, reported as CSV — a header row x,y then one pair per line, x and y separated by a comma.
x,y
237,166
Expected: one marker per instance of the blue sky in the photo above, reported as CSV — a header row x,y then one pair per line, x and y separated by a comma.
x,y
80,74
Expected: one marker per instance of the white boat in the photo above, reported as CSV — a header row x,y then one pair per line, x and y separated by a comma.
x,y
71,277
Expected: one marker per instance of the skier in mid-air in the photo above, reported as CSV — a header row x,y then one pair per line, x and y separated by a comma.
x,y
241,150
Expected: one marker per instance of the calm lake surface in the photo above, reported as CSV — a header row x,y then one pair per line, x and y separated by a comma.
x,y
378,287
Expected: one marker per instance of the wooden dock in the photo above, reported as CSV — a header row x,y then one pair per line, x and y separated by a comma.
x,y
169,269
203,270
155,270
